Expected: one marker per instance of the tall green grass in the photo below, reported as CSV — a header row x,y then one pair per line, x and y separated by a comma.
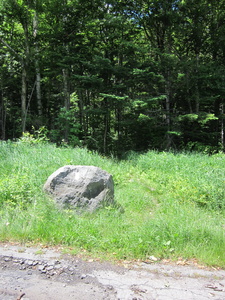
x,y
173,204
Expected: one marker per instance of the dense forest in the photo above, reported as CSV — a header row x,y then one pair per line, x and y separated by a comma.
x,y
114,75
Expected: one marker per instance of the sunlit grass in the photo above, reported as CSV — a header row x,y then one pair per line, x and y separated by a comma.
x,y
173,204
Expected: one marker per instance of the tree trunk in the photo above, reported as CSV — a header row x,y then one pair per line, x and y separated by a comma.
x,y
38,88
168,115
66,92
197,97
25,61
24,97
107,126
37,66
105,135
188,93
2,116
222,127
66,95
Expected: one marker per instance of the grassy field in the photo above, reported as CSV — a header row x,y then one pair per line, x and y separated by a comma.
x,y
174,204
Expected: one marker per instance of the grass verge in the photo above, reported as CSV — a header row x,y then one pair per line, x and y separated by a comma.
x,y
173,204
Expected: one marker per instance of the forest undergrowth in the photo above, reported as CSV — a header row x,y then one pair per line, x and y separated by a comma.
x,y
173,204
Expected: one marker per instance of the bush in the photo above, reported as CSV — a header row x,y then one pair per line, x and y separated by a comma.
x,y
15,191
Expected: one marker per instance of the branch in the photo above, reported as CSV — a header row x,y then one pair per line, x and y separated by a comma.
x,y
11,49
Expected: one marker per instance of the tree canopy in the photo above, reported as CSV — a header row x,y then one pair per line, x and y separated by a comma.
x,y
113,75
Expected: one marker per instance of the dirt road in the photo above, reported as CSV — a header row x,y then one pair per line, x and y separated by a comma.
x,y
28,273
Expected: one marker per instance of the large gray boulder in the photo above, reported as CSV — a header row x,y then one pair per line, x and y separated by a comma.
x,y
81,187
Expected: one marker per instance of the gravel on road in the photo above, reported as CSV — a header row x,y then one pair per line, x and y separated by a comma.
x,y
36,273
